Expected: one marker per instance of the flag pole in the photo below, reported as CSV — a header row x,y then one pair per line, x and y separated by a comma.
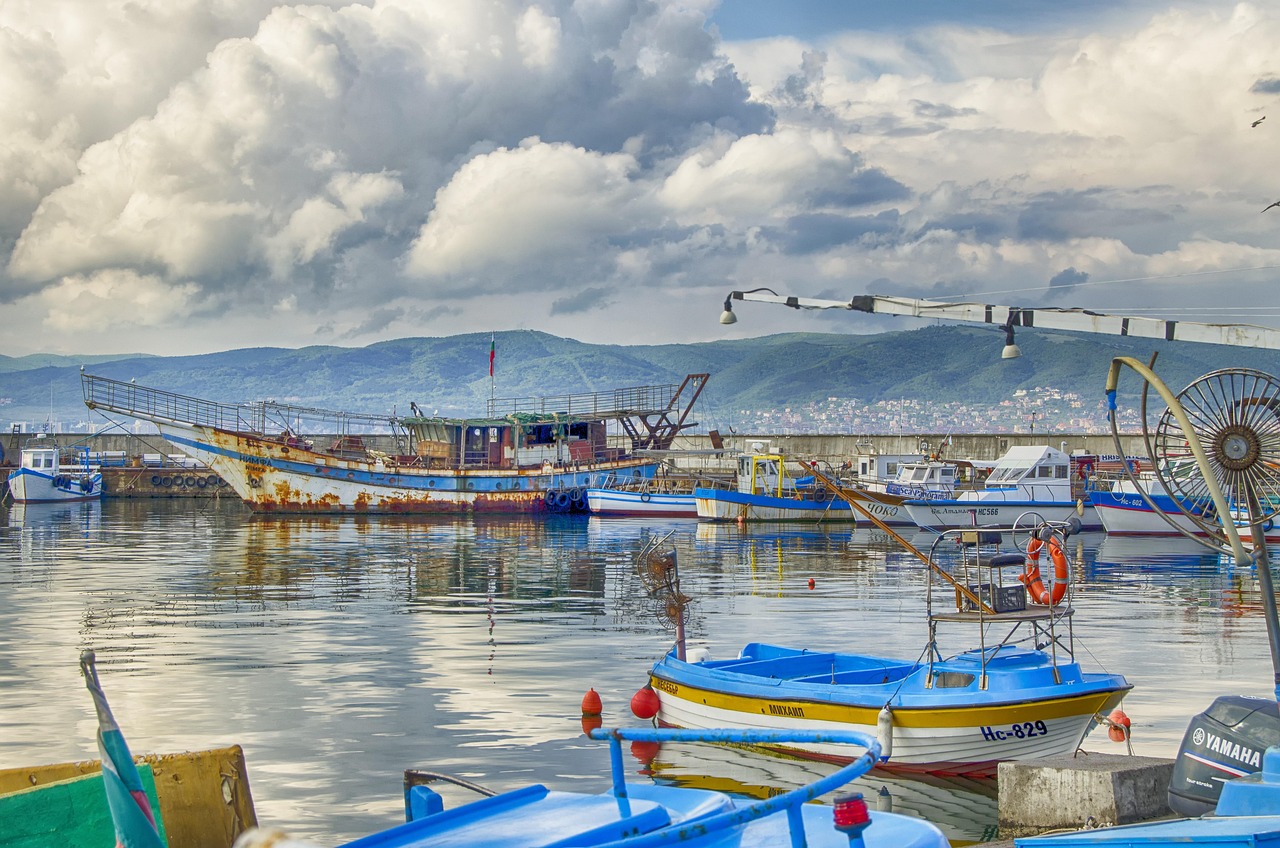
x,y
492,352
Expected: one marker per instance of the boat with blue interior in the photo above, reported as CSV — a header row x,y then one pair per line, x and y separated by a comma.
x,y
644,815
47,473
1035,479
1019,696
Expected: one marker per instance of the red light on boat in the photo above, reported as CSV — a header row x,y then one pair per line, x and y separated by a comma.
x,y
851,813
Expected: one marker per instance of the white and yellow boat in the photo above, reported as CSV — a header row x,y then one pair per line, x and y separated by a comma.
x,y
958,714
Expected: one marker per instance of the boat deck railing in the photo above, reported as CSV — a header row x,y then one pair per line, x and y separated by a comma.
x,y
618,403
157,405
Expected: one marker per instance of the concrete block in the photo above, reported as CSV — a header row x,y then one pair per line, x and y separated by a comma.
x,y
1072,792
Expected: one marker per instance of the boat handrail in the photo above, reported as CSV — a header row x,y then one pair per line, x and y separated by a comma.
x,y
788,802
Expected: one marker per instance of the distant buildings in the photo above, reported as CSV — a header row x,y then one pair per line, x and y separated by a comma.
x,y
1044,408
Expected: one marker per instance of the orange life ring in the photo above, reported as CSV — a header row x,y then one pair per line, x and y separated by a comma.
x,y
1031,576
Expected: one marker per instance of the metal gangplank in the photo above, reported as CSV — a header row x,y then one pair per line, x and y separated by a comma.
x,y
258,417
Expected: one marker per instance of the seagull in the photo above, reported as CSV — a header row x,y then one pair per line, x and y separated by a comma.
x,y
1277,203
1260,120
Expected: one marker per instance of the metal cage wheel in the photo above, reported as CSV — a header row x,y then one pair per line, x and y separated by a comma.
x,y
1235,413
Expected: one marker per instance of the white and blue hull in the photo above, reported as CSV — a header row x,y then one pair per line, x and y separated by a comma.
x,y
723,505
957,514
1127,514
29,486
604,501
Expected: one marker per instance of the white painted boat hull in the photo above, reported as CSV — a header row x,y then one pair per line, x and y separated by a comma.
x,y
970,744
956,515
28,486
615,502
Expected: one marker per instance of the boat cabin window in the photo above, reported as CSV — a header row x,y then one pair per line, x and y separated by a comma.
x,y
952,680
42,459
891,469
947,472
1011,473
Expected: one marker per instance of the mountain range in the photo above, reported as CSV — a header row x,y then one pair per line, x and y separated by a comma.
x,y
450,375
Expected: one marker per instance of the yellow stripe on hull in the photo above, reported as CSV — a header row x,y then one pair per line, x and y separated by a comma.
x,y
921,737
969,716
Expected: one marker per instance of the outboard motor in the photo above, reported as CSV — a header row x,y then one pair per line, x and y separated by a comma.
x,y
1223,742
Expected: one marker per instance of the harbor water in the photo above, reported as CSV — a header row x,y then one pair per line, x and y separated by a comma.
x,y
340,651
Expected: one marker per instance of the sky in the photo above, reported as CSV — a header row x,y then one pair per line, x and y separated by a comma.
x,y
189,176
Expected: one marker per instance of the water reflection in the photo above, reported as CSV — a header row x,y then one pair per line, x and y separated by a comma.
x,y
340,650
964,808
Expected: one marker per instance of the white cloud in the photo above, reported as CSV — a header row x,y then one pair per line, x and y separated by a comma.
x,y
527,204
441,160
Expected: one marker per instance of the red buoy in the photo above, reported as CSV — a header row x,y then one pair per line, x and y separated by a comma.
x,y
591,705
812,583
645,703
1118,726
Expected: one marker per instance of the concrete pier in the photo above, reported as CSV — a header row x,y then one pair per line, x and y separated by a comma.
x,y
1081,791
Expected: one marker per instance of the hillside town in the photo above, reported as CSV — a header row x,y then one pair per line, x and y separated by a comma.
x,y
1042,409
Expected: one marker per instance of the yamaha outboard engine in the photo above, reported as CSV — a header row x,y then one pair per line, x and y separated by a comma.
x,y
1223,742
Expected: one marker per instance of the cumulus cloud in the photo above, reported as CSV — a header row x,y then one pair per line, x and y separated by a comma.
x,y
261,173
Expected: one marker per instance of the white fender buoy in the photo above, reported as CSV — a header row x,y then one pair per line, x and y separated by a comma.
x,y
884,726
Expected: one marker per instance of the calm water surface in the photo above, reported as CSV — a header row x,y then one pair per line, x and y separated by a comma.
x,y
340,651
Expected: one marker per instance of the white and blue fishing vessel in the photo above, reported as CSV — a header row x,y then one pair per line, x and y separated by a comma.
x,y
1017,696
1035,479
47,473
765,491
1141,506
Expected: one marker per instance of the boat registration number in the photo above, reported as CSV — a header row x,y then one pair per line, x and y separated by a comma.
x,y
665,685
1022,730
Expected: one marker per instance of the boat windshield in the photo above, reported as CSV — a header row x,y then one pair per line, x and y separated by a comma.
x,y
1005,473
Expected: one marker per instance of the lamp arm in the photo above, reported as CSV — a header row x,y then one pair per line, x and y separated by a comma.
x,y
1049,318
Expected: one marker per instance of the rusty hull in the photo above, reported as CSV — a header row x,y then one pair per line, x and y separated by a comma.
x,y
271,476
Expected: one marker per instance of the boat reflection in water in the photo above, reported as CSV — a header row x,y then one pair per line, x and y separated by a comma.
x,y
965,809
43,527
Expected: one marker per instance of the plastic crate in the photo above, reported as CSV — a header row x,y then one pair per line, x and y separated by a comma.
x,y
1011,598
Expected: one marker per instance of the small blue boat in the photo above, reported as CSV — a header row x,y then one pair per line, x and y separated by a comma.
x,y
633,815
945,714
1247,816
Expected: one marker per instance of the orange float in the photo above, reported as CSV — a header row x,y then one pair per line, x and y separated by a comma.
x,y
1030,577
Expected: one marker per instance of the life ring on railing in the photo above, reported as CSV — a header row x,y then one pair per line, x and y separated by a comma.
x,y
1031,576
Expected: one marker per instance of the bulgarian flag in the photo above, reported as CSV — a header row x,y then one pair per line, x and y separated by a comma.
x,y
492,352
130,810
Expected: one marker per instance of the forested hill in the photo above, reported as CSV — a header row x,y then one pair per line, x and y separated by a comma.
x,y
450,375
